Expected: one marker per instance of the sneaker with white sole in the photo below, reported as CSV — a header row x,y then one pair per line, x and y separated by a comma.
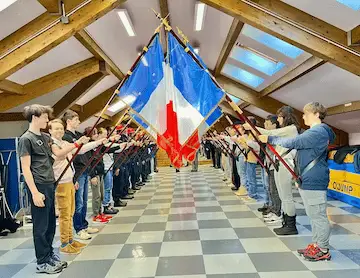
x,y
48,268
91,231
273,220
83,235
56,258
241,191
269,215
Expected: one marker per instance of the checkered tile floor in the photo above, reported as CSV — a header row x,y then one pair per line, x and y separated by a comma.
x,y
191,225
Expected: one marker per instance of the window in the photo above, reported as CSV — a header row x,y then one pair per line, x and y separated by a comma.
x,y
256,61
243,75
234,99
272,42
352,4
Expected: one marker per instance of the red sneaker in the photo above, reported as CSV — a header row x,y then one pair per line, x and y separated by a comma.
x,y
316,255
107,217
99,219
309,247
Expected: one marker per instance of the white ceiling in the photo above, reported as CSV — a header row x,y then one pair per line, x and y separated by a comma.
x,y
330,11
257,111
103,85
48,99
89,122
112,37
65,54
215,28
349,122
17,15
327,84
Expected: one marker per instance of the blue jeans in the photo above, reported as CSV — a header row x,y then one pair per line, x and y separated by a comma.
x,y
251,180
81,198
265,181
108,185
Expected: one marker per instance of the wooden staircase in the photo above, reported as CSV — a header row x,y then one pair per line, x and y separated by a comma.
x,y
164,161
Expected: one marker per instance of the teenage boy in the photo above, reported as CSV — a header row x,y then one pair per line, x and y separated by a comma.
x,y
81,226
313,171
36,162
65,190
272,213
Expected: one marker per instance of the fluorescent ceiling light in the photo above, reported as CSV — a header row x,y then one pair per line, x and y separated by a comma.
x,y
197,50
6,3
122,103
199,15
125,19
348,104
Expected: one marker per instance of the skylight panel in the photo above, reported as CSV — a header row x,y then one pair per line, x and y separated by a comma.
x,y
234,99
256,61
352,4
272,42
243,76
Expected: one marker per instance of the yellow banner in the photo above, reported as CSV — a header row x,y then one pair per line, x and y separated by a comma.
x,y
347,188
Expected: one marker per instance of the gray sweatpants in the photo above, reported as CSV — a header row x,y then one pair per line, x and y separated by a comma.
x,y
97,195
283,180
274,195
315,207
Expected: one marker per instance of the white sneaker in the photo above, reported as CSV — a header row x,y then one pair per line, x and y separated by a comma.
x,y
269,215
83,235
90,230
273,220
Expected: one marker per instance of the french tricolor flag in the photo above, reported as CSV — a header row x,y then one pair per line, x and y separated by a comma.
x,y
172,96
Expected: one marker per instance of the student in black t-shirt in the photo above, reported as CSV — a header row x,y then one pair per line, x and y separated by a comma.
x,y
81,225
36,162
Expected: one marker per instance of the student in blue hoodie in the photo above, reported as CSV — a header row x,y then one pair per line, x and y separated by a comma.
x,y
312,146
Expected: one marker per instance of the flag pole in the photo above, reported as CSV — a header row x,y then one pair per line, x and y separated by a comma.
x,y
113,96
237,109
108,147
99,147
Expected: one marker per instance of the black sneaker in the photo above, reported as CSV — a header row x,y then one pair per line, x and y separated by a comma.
x,y
234,188
264,208
120,204
49,268
136,188
131,192
109,210
128,197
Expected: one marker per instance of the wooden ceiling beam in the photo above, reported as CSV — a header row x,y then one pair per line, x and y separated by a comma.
x,y
80,89
96,104
304,68
269,104
250,14
164,9
355,36
11,117
231,38
26,31
53,6
11,87
53,81
344,108
54,36
307,20
88,42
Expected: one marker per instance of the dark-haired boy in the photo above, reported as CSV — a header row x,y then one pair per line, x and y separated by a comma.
x,y
36,162
81,225
313,171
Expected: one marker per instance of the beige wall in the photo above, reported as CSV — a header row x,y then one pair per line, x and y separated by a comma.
x,y
354,139
12,129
